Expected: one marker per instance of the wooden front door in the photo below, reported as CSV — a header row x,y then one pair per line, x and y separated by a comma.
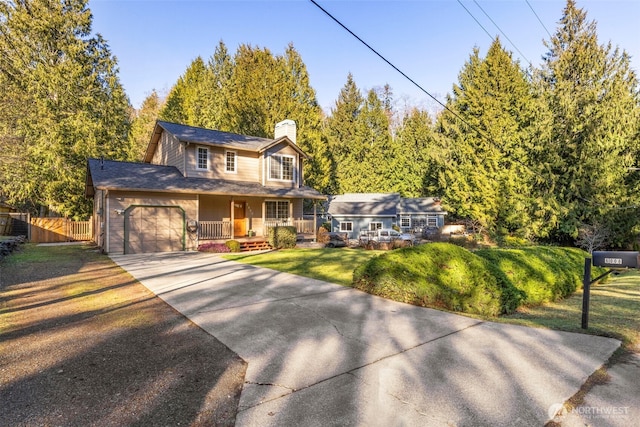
x,y
239,219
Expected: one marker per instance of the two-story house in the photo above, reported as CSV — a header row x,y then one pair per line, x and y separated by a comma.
x,y
198,185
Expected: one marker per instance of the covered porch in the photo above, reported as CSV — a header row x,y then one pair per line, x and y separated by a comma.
x,y
249,218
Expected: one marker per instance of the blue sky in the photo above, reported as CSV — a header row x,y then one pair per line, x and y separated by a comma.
x,y
429,40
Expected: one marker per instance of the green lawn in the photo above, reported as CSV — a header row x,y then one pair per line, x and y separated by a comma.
x,y
614,309
331,265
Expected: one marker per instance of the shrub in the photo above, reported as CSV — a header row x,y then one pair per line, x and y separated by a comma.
x,y
214,247
282,237
440,275
541,273
233,245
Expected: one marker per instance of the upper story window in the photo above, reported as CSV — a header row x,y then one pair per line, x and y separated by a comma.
x,y
231,162
203,158
281,167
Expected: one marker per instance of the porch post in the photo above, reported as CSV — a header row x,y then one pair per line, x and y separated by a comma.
x,y
315,222
232,216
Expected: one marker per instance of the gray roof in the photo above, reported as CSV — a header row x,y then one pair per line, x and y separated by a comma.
x,y
381,205
420,205
127,176
364,204
215,137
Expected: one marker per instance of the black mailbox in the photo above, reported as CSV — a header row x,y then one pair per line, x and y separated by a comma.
x,y
626,259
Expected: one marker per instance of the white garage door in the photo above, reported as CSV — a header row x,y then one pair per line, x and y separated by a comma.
x,y
154,229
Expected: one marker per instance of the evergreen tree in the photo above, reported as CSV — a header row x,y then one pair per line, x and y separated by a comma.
x,y
143,123
592,95
416,156
371,150
184,103
62,101
215,91
486,175
341,130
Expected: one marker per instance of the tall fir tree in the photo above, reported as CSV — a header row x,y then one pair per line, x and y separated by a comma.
x,y
488,125
341,130
414,171
143,123
62,100
216,85
184,103
592,94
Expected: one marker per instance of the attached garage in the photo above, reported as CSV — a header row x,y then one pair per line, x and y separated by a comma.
x,y
154,229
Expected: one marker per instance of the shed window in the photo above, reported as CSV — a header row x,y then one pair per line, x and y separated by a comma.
x,y
203,158
346,226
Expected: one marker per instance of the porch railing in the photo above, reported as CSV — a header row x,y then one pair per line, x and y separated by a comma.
x,y
218,230
214,230
303,226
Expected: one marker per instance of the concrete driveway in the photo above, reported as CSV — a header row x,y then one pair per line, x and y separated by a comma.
x,y
320,354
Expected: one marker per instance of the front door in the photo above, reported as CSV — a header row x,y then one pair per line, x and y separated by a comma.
x,y
239,219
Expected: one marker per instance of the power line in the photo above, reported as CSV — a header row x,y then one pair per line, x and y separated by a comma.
x,y
539,20
474,18
398,69
502,32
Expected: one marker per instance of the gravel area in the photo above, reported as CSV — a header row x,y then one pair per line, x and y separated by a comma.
x,y
84,344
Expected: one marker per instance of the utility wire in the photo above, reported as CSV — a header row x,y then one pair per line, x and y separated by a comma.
x,y
456,115
502,32
399,70
474,18
539,20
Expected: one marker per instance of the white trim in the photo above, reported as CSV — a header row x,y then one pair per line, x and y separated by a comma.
x,y
290,206
345,222
235,161
293,168
198,148
377,223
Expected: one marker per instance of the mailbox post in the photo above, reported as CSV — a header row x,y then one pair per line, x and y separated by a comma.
x,y
613,260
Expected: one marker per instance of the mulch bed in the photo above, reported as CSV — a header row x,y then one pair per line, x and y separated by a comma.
x,y
84,344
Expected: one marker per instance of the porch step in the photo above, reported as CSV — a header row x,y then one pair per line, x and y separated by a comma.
x,y
254,246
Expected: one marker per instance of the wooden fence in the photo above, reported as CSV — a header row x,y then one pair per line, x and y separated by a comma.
x,y
56,230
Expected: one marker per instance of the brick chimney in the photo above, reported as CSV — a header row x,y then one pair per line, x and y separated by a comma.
x,y
286,128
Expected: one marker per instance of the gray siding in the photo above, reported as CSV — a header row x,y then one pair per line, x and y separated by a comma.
x,y
360,223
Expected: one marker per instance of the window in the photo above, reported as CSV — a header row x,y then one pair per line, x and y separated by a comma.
x,y
373,226
432,221
405,222
281,167
276,210
203,158
230,161
346,226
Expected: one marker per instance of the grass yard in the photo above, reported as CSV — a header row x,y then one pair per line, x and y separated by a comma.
x,y
331,265
613,311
